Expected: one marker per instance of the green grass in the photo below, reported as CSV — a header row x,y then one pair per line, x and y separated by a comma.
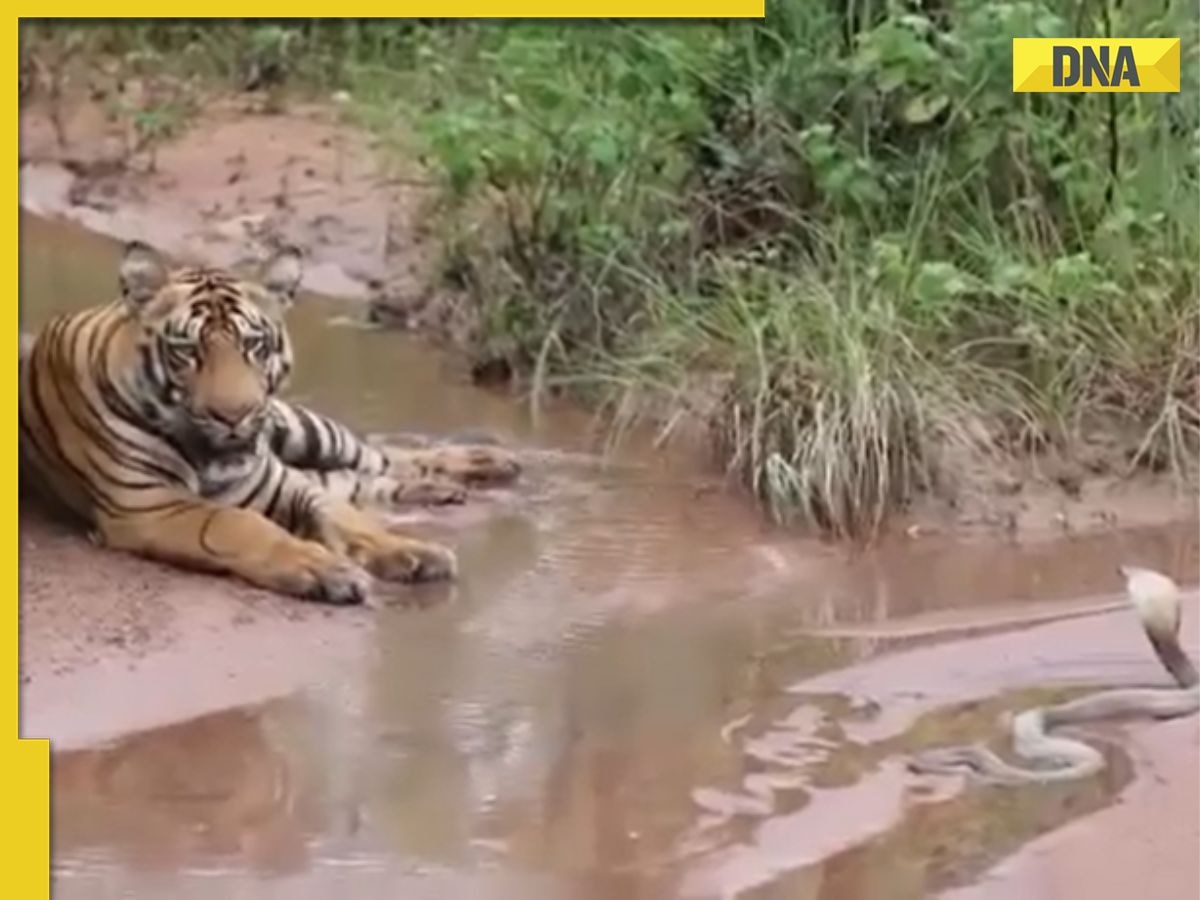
x,y
837,240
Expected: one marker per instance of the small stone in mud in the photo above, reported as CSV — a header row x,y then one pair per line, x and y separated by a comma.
x,y
381,312
1071,483
864,708
492,371
1007,485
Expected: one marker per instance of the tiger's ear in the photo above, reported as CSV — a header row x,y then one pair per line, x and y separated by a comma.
x,y
281,274
142,273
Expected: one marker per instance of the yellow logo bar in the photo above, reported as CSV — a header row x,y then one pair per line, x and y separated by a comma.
x,y
1096,65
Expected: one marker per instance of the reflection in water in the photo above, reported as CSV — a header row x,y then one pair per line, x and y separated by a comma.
x,y
950,842
219,789
836,818
599,708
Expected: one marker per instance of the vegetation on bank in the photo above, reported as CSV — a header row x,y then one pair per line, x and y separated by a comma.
x,y
836,238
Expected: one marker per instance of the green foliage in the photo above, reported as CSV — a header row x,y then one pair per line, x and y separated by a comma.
x,y
669,198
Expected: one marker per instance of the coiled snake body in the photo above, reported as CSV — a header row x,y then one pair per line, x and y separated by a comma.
x,y
1053,758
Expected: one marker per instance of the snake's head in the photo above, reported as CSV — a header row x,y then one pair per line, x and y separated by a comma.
x,y
1155,597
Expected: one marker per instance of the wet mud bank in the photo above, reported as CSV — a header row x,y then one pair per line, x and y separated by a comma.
x,y
113,644
870,829
233,184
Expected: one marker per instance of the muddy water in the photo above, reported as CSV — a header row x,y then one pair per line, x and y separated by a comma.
x,y
601,706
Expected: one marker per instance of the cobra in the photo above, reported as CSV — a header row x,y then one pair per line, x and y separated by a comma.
x,y
1056,758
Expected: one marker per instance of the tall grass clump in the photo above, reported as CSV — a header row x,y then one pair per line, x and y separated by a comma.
x,y
836,236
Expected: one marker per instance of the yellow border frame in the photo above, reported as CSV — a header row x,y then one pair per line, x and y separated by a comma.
x,y
25,763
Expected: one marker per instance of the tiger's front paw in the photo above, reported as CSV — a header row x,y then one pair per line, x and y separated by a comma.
x,y
481,464
429,492
472,464
395,558
316,573
434,563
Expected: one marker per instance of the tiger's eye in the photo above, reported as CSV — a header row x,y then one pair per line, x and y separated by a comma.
x,y
256,345
181,352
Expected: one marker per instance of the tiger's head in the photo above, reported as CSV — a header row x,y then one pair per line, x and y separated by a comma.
x,y
212,346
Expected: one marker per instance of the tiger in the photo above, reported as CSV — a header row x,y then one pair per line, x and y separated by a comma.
x,y
157,419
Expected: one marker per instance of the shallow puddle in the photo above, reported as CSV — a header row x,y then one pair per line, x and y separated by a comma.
x,y
599,708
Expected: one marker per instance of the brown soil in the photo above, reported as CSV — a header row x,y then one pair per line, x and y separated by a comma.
x,y
111,643
234,183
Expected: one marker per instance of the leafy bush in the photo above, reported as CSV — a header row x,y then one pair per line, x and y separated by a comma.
x,y
854,227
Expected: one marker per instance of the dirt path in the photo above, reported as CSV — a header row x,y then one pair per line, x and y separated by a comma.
x,y
234,183
112,644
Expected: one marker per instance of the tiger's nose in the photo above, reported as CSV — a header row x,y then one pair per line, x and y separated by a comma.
x,y
235,415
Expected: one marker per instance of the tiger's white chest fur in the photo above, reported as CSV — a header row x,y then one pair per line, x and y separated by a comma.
x,y
227,473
